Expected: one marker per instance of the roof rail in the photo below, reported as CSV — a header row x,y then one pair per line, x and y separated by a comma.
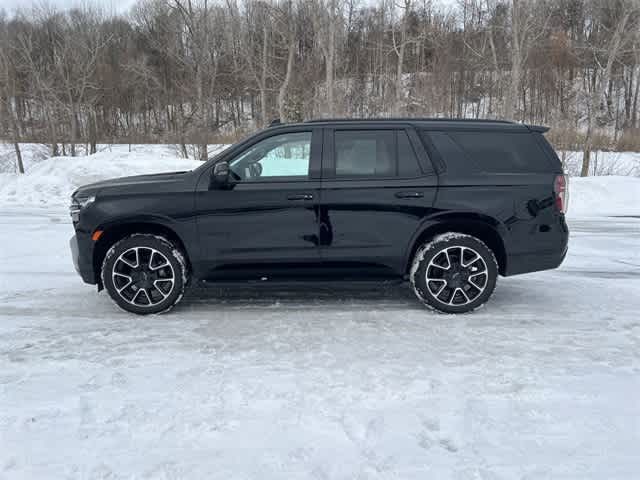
x,y
408,119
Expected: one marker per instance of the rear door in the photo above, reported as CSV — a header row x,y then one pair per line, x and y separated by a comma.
x,y
377,185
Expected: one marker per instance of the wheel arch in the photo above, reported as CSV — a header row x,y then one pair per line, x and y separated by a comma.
x,y
115,232
482,227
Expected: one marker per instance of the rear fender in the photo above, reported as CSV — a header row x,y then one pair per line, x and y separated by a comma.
x,y
486,228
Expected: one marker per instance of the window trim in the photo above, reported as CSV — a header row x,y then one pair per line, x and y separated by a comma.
x,y
425,158
329,160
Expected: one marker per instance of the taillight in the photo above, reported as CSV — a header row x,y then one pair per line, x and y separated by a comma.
x,y
561,189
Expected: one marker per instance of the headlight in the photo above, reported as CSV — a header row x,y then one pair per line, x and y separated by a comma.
x,y
78,202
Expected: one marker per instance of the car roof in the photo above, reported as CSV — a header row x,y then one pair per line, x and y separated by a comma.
x,y
425,123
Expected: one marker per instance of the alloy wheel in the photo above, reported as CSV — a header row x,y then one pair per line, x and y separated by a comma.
x,y
143,276
457,276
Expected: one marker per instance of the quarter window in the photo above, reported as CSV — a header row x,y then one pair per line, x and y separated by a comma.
x,y
503,152
490,152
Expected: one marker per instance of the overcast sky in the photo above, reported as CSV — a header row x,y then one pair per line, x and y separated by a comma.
x,y
121,6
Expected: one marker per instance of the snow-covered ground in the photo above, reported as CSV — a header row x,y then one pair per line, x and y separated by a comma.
x,y
339,383
604,196
603,163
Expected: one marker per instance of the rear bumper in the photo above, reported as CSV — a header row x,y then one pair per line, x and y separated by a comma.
x,y
534,262
538,260
82,257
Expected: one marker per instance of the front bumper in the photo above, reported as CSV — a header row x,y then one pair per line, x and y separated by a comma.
x,y
82,256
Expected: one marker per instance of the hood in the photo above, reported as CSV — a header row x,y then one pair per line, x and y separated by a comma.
x,y
134,180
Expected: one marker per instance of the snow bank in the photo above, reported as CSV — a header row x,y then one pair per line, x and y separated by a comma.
x,y
34,153
604,196
51,182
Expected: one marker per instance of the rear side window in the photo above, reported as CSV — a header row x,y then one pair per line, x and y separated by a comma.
x,y
374,153
491,152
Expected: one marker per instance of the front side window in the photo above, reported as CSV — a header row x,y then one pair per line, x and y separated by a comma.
x,y
286,155
374,153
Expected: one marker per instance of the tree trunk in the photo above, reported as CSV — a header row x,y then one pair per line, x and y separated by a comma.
x,y
183,148
19,163
282,93
634,111
519,39
11,113
514,86
330,60
586,161
586,156
93,133
202,133
53,137
263,76
204,151
398,108
74,131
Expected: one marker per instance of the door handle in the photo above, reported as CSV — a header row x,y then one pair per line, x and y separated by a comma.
x,y
409,195
300,196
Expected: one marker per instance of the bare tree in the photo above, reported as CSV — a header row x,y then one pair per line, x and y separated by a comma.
x,y
399,47
286,21
194,72
595,100
9,93
326,19
527,27
201,59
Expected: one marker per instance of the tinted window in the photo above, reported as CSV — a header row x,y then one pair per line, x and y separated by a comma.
x,y
493,152
407,159
552,156
374,153
452,155
285,155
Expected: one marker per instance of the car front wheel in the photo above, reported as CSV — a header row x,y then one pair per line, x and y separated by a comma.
x,y
144,273
454,273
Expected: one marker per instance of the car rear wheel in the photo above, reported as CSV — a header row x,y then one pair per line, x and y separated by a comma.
x,y
144,274
454,273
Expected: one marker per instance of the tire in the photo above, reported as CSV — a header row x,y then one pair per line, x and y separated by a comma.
x,y
144,274
463,286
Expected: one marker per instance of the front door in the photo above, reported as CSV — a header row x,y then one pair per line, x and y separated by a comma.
x,y
265,225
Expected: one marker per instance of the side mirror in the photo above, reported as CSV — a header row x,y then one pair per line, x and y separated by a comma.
x,y
220,175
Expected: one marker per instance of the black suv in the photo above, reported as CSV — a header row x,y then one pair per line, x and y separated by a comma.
x,y
445,204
